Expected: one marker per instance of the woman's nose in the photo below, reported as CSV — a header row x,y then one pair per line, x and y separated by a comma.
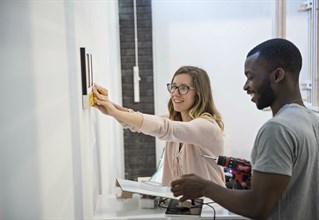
x,y
176,91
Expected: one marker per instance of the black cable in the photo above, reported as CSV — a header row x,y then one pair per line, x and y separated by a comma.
x,y
161,202
208,204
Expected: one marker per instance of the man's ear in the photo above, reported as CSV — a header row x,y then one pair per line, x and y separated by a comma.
x,y
279,75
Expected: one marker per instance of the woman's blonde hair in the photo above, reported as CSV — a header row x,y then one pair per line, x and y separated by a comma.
x,y
204,105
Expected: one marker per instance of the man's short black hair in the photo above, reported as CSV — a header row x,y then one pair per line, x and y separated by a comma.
x,y
279,53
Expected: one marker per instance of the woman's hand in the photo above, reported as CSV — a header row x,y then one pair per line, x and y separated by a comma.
x,y
101,100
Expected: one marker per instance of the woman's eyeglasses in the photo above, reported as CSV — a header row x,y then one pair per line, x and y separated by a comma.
x,y
183,90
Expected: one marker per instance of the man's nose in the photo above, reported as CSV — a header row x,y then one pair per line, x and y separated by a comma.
x,y
245,87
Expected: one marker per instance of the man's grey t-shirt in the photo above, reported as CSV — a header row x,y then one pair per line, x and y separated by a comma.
x,y
287,144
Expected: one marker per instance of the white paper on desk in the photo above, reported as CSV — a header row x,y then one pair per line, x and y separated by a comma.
x,y
143,188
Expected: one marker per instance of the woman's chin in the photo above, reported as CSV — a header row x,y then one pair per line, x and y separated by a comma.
x,y
177,108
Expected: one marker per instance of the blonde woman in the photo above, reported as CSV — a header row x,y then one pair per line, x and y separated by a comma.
x,y
193,126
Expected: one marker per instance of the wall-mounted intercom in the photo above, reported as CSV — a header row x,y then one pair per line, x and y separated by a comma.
x,y
87,78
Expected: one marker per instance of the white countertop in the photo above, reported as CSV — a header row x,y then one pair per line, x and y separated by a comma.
x,y
109,207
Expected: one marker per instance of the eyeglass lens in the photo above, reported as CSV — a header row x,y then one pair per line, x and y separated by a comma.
x,y
181,89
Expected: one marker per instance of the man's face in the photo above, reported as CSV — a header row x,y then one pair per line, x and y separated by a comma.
x,y
258,83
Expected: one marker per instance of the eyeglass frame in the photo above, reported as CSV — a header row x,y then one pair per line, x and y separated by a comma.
x,y
169,86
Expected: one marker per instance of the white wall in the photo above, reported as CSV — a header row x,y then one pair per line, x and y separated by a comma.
x,y
217,35
214,35
49,145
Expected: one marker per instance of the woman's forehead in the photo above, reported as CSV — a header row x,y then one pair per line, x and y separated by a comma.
x,y
182,78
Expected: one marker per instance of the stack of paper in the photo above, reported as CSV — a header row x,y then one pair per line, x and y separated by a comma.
x,y
145,188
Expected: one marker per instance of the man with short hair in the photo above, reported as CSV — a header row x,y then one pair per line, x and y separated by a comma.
x,y
285,157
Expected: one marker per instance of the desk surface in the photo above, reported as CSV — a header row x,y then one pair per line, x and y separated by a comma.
x,y
109,207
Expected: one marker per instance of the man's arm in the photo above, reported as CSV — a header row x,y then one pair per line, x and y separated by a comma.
x,y
257,203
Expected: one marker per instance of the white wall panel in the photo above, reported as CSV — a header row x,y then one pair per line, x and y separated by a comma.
x,y
214,35
49,146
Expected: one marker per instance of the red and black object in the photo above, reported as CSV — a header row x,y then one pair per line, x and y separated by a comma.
x,y
240,170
